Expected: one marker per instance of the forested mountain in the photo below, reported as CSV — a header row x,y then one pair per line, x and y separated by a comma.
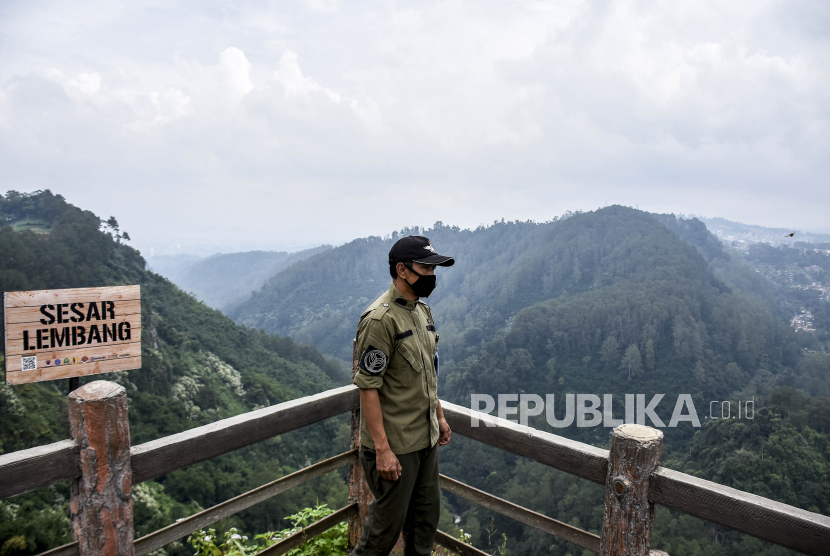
x,y
595,285
614,301
199,366
672,312
499,270
611,302
227,279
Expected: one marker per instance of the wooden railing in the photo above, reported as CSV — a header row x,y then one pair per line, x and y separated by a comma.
x,y
634,482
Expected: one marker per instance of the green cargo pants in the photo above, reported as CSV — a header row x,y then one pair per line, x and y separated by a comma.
x,y
412,504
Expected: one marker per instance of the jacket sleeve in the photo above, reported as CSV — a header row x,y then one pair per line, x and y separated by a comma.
x,y
374,349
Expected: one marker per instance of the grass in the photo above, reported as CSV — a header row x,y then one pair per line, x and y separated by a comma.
x,y
36,226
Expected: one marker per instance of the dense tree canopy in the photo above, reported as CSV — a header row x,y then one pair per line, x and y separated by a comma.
x,y
616,301
199,366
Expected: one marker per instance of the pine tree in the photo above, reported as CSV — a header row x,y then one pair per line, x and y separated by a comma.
x,y
650,362
610,351
632,361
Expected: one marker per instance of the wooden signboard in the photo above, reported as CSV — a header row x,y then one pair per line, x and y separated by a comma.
x,y
53,334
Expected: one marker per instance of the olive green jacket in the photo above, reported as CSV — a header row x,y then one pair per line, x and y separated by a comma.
x,y
396,346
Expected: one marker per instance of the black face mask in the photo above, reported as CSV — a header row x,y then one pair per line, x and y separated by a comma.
x,y
424,285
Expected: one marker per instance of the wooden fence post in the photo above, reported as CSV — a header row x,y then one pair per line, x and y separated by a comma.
x,y
358,488
100,502
629,516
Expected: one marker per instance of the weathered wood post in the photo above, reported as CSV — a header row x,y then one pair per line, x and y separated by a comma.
x,y
358,488
100,503
629,516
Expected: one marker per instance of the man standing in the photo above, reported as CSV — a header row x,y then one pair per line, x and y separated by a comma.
x,y
401,421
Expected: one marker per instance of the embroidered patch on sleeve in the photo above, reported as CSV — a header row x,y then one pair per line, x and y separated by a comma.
x,y
373,360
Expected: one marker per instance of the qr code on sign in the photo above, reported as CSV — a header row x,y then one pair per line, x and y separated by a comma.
x,y
29,363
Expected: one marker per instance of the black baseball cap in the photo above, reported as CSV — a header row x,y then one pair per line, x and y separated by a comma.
x,y
417,249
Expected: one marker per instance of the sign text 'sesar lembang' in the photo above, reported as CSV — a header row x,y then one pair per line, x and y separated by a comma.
x,y
53,334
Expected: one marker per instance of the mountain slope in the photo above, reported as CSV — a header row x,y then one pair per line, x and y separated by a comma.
x,y
199,366
489,283
501,270
612,301
523,308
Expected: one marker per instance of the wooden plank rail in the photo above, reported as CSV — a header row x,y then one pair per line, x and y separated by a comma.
x,y
27,470
184,527
759,517
443,539
70,549
576,458
38,467
159,538
159,457
307,533
523,515
765,519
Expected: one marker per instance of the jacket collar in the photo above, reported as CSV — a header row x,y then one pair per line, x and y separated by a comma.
x,y
399,300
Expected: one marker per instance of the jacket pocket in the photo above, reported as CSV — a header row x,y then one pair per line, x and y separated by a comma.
x,y
415,364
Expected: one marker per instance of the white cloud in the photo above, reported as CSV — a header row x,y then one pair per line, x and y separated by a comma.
x,y
306,120
89,83
294,82
236,69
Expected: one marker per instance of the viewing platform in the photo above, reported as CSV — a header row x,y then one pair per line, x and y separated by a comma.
x,y
103,467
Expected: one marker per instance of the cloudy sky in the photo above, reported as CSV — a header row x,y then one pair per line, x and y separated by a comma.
x,y
291,123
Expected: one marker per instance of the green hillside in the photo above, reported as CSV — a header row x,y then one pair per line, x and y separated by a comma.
x,y
225,280
488,284
558,290
610,302
667,310
615,301
199,366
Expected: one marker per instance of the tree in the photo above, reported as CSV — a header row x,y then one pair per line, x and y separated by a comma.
x,y
650,361
586,361
112,224
632,361
551,367
610,351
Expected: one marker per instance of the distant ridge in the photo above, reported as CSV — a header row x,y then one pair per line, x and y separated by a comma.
x,y
225,280
737,234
